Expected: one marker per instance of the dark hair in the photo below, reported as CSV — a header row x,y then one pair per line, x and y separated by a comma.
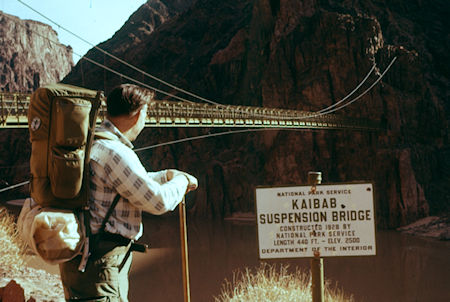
x,y
127,99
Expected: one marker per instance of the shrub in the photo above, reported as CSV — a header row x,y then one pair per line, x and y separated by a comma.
x,y
272,283
12,248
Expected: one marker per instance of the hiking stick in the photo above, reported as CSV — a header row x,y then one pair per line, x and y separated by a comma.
x,y
184,250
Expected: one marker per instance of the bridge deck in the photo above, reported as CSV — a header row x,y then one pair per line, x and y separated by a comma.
x,y
14,109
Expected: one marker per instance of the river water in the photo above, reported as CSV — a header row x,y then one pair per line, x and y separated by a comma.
x,y
406,268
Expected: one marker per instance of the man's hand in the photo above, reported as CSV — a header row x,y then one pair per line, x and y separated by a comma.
x,y
192,181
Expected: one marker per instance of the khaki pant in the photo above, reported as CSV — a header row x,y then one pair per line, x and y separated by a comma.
x,y
105,277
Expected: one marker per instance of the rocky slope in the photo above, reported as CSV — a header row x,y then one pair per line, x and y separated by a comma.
x,y
304,55
27,57
133,34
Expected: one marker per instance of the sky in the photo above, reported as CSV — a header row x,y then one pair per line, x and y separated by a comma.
x,y
93,20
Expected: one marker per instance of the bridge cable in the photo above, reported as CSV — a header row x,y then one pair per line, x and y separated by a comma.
x,y
348,95
186,139
265,129
134,80
237,131
14,186
362,94
330,109
192,138
320,113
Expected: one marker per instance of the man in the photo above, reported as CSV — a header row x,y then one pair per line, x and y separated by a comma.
x,y
116,169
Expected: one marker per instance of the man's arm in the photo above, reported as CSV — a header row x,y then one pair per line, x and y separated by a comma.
x,y
131,180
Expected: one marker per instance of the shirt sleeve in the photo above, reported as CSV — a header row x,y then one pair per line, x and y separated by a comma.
x,y
144,190
160,176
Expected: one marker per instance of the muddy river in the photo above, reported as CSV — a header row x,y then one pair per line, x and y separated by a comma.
x,y
406,268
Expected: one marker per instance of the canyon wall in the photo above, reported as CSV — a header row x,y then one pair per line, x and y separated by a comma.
x,y
30,55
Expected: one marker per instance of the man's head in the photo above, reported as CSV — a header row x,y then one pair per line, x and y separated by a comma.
x,y
127,99
127,108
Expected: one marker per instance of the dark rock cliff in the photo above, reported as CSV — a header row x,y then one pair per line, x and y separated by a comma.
x,y
27,57
133,35
302,55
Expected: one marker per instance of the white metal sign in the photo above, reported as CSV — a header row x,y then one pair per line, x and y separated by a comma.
x,y
335,220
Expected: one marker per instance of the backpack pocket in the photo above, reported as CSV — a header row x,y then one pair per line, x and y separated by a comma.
x,y
66,176
55,235
72,122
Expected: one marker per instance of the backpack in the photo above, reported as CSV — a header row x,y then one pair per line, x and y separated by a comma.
x,y
61,120
54,222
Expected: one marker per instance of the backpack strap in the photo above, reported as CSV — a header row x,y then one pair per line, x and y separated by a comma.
x,y
108,214
92,241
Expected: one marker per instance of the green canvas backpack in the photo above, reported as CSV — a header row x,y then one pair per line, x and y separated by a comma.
x,y
55,222
61,122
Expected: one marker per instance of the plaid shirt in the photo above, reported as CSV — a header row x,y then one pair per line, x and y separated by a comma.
x,y
116,169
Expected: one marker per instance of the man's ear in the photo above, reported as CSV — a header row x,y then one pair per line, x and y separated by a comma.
x,y
135,117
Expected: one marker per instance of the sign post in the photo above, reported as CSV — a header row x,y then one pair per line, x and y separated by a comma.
x,y
317,282
317,277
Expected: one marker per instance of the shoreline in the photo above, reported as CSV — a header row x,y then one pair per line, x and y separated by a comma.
x,y
436,227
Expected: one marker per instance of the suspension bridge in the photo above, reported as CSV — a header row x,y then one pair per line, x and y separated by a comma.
x,y
184,113
163,113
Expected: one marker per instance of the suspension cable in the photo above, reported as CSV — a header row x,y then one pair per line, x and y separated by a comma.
x,y
318,113
134,80
14,186
330,109
364,92
186,139
351,93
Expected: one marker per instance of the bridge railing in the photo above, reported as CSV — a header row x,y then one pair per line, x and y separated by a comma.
x,y
168,113
13,109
